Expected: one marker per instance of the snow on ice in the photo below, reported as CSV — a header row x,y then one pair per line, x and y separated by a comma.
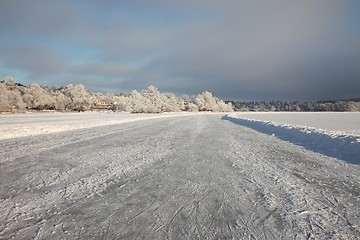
x,y
35,123
332,134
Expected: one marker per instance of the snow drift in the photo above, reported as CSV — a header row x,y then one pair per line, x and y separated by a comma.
x,y
336,144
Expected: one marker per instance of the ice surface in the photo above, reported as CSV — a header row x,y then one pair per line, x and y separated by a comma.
x,y
35,123
189,177
333,134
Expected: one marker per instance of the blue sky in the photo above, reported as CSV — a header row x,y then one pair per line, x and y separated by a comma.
x,y
237,49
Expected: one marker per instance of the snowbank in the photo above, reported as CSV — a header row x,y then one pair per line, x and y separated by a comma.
x,y
339,144
348,122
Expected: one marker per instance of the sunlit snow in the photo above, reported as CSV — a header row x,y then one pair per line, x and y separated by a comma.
x,y
333,134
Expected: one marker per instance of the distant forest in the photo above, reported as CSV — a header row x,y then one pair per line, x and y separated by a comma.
x,y
16,97
349,105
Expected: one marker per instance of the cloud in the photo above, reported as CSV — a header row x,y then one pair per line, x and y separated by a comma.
x,y
35,60
236,49
39,17
104,69
267,55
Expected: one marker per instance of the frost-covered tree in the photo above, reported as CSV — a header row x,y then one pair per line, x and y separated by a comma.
x,y
169,103
62,102
39,98
192,107
207,102
10,98
4,102
136,103
10,81
81,99
120,103
152,101
184,102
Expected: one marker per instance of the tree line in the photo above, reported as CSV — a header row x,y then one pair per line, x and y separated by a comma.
x,y
15,97
351,105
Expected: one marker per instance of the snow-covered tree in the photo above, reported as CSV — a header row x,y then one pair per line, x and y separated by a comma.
x,y
152,101
81,99
192,107
136,103
10,81
207,102
170,103
39,98
10,98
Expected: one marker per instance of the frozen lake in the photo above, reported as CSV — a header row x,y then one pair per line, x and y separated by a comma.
x,y
199,176
348,122
35,123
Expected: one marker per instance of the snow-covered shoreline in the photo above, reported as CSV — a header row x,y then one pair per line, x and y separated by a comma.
x,y
341,144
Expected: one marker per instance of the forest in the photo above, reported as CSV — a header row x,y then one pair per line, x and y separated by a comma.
x,y
16,97
348,105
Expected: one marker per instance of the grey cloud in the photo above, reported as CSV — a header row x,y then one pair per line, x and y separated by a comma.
x,y
236,49
38,17
269,56
104,69
35,60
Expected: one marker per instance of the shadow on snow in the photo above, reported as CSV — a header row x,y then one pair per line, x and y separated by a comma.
x,y
345,147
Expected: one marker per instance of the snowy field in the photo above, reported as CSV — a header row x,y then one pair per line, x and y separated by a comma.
x,y
331,133
35,123
173,176
342,122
